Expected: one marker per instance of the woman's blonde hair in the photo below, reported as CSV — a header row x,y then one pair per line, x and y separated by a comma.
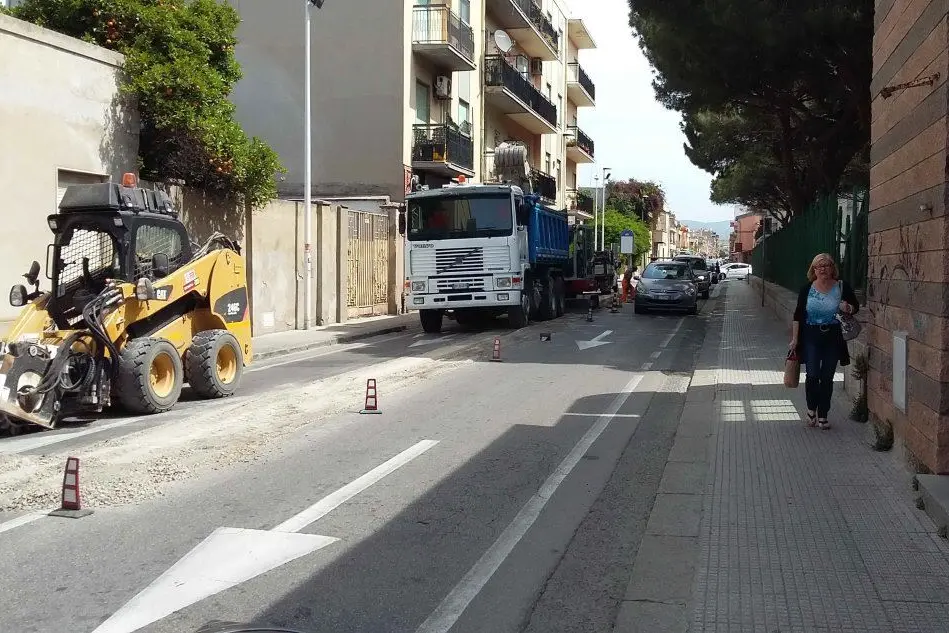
x,y
811,275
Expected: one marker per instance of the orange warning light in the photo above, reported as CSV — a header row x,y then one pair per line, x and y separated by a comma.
x,y
129,180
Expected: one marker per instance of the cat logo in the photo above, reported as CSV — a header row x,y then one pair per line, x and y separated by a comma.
x,y
161,294
233,309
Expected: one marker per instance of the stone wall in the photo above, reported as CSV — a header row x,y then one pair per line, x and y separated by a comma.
x,y
908,227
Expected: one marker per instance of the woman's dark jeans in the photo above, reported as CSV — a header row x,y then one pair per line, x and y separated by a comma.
x,y
821,355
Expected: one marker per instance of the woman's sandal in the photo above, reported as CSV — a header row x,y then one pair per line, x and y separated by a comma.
x,y
811,419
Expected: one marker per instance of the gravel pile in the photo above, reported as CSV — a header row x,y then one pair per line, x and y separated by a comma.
x,y
224,434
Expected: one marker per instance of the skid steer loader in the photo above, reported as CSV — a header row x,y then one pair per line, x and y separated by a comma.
x,y
134,311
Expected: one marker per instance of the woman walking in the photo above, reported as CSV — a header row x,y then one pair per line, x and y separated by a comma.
x,y
816,334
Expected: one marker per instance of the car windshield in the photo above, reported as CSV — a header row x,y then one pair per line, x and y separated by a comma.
x,y
457,217
697,264
666,271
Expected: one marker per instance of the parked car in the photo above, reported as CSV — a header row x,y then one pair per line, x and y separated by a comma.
x,y
703,276
666,285
737,270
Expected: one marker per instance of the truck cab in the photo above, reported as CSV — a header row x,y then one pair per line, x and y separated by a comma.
x,y
482,249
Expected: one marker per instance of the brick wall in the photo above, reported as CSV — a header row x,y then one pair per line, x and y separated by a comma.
x,y
909,262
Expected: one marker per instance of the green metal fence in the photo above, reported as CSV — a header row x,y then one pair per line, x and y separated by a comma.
x,y
783,258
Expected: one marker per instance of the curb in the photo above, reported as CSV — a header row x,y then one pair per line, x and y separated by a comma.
x,y
334,340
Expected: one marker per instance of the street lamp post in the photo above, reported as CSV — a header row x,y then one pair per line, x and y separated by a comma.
x,y
606,177
596,212
308,175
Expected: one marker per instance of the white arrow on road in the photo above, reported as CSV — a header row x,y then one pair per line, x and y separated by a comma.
x,y
431,341
596,341
230,556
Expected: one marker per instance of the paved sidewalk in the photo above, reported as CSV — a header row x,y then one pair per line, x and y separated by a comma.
x,y
280,343
801,530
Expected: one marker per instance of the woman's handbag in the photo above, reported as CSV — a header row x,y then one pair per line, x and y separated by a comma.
x,y
792,370
849,326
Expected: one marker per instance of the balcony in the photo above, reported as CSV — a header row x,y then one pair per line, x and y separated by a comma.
x,y
579,146
545,185
510,92
579,34
580,88
440,36
443,150
528,25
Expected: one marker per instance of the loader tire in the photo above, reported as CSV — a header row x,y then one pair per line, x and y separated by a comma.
x,y
215,364
150,376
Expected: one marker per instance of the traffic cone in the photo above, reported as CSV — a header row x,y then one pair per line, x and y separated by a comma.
x,y
496,354
614,304
71,505
372,400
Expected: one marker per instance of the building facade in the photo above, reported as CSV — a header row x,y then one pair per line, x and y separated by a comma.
x,y
907,330
417,88
742,238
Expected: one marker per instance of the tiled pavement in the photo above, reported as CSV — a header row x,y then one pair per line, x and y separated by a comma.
x,y
803,530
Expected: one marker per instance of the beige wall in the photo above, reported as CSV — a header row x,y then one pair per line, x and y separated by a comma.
x,y
358,77
60,110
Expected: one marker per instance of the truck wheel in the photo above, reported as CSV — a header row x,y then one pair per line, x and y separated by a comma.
x,y
150,376
560,291
518,316
431,321
215,364
548,300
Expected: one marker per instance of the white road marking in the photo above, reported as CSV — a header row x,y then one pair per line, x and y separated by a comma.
x,y
596,341
668,339
454,604
230,556
24,519
655,355
647,366
329,503
432,341
596,415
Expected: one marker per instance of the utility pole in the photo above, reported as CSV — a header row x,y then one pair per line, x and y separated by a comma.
x,y
308,175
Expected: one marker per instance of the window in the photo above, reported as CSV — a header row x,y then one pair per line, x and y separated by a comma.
x,y
559,171
550,93
156,238
454,217
560,112
464,114
547,163
423,112
464,7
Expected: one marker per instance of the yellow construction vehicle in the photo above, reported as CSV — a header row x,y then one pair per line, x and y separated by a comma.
x,y
135,310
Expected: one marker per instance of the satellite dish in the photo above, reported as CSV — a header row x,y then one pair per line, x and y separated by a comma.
x,y
503,41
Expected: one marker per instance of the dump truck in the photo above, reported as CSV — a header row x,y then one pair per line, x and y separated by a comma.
x,y
485,249
134,311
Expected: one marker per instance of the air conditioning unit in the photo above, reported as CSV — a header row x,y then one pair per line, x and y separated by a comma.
x,y
443,87
537,66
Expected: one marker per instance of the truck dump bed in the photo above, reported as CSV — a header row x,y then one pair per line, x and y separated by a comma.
x,y
548,236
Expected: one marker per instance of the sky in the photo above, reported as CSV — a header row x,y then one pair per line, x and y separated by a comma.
x,y
635,136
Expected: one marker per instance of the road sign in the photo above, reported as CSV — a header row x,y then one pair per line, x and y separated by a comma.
x,y
627,244
626,233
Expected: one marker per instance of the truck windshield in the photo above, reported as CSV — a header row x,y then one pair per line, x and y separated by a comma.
x,y
453,217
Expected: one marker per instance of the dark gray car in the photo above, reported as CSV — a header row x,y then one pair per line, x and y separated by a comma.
x,y
703,276
667,285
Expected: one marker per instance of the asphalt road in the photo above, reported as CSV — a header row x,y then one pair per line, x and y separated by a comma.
x,y
495,497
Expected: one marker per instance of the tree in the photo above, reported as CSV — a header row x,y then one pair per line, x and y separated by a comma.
x,y
180,66
774,93
636,199
616,222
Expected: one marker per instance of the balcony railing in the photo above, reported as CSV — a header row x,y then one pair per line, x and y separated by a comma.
x,y
577,74
581,140
437,24
498,72
442,143
537,17
545,185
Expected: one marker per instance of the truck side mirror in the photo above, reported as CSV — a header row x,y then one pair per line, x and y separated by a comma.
x,y
402,222
523,213
160,265
33,276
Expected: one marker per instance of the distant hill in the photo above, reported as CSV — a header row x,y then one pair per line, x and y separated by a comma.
x,y
723,228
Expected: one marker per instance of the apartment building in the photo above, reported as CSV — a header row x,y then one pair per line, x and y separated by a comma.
x,y
417,88
667,235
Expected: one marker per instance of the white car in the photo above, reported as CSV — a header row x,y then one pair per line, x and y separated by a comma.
x,y
736,270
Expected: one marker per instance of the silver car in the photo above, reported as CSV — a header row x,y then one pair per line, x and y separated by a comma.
x,y
666,285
